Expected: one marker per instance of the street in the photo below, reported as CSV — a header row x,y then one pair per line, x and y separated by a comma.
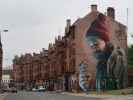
x,y
45,96
60,96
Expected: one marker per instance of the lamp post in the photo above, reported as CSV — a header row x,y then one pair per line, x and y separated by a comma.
x,y
1,57
1,32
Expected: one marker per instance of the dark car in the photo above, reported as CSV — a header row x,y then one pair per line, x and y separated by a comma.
x,y
1,90
13,90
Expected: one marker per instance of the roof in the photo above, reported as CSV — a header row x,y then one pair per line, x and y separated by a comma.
x,y
96,13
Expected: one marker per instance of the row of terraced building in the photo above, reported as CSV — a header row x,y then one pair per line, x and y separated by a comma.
x,y
58,67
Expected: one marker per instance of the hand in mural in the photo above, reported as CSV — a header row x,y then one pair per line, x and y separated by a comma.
x,y
117,67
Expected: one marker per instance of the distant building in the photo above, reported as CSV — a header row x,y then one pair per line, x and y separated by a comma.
x,y
1,60
58,67
6,76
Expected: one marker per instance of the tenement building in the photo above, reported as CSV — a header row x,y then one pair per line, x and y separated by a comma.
x,y
58,67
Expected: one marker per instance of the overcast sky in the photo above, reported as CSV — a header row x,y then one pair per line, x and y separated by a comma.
x,y
32,24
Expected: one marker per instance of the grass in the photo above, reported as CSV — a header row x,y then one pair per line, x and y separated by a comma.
x,y
126,91
130,66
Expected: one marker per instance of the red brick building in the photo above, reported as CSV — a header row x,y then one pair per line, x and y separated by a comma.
x,y
82,52
59,65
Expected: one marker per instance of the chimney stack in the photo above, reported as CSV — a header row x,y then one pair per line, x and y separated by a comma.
x,y
68,24
94,8
111,12
50,45
43,49
59,37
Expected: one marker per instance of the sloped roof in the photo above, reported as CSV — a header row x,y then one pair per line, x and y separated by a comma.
x,y
93,14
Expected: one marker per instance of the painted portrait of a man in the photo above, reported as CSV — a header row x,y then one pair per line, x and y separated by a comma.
x,y
98,39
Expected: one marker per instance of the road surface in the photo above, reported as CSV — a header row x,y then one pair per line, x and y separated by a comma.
x,y
45,96
59,96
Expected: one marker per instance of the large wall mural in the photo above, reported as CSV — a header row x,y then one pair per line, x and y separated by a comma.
x,y
98,40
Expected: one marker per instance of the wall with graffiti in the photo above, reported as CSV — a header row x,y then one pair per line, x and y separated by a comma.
x,y
93,26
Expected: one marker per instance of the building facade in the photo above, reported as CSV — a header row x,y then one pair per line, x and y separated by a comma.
x,y
58,67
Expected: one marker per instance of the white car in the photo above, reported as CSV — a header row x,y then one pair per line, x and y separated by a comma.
x,y
34,89
39,89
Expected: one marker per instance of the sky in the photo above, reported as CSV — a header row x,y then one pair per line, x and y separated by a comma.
x,y
33,24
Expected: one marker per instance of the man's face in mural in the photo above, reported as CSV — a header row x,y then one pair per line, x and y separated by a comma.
x,y
95,43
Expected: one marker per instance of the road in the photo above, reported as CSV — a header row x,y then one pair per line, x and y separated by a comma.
x,y
59,96
45,96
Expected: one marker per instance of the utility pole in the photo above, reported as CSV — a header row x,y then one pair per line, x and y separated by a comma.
x,y
1,57
127,18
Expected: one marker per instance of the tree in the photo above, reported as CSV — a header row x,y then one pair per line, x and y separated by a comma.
x,y
130,56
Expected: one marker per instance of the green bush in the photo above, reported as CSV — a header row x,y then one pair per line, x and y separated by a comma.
x,y
130,56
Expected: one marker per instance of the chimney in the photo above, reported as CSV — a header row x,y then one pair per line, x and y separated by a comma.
x,y
43,49
59,37
111,12
56,39
50,45
34,53
68,24
94,8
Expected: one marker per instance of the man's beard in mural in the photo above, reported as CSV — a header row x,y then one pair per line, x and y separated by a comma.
x,y
84,78
83,81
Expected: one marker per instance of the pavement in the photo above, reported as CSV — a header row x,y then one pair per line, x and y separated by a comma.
x,y
127,97
2,96
102,96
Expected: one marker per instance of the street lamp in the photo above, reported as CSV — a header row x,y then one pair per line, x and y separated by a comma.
x,y
1,57
5,30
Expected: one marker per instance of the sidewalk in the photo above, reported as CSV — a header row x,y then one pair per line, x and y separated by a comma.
x,y
102,96
3,95
121,97
92,95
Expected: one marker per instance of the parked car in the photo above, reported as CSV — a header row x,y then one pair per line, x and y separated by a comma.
x,y
28,89
12,90
34,89
39,89
1,90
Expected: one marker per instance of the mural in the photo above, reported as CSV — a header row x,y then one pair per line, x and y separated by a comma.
x,y
117,68
84,77
98,39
